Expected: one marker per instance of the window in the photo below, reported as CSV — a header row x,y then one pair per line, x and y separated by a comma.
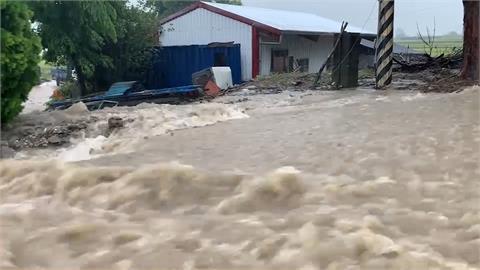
x,y
279,61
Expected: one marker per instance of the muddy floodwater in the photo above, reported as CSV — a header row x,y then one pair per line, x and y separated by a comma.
x,y
297,180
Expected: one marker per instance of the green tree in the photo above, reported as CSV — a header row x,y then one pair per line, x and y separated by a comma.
x,y
137,34
164,8
20,55
77,32
105,41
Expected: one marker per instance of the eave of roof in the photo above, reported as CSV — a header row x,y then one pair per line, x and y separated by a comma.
x,y
221,12
252,22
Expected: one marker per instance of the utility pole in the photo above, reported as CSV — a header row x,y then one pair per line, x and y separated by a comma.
x,y
471,40
384,44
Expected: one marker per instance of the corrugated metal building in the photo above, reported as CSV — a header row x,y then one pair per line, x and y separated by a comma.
x,y
270,40
174,65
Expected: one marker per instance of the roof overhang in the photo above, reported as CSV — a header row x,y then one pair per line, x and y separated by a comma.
x,y
313,33
258,25
225,13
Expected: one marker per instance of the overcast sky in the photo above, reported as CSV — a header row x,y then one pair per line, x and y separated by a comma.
x,y
448,14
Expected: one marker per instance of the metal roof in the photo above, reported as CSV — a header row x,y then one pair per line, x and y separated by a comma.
x,y
119,88
287,21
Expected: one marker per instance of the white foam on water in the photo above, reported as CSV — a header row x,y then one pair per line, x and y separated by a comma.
x,y
57,215
141,122
83,150
414,97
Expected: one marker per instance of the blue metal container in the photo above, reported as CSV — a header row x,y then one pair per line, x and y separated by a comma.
x,y
173,66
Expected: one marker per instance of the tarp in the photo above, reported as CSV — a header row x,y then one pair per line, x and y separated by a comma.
x,y
174,65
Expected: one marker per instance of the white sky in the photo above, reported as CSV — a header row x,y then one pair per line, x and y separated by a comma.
x,y
448,14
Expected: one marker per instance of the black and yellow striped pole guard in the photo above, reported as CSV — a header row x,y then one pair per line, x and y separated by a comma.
x,y
384,44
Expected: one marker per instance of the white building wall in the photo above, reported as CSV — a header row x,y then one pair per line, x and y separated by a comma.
x,y
201,27
298,47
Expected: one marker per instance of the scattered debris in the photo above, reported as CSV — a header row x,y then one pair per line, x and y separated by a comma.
x,y
40,137
276,83
49,133
420,63
434,78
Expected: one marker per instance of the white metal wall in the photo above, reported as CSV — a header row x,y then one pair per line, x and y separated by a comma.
x,y
201,27
298,47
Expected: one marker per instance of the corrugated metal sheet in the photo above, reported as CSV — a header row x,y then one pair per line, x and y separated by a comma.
x,y
174,65
119,88
202,27
298,47
288,20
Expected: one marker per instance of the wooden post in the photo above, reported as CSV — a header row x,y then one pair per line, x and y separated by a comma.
x,y
330,55
471,36
384,44
345,61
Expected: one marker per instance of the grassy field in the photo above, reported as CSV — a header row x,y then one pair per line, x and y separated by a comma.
x,y
442,45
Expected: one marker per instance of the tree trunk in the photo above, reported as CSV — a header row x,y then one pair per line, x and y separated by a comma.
x,y
471,30
69,70
80,76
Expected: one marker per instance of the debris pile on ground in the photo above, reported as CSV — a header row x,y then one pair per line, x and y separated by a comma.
x,y
424,62
279,82
445,81
434,79
276,83
40,136
52,132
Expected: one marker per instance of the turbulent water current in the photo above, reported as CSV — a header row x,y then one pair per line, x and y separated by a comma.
x,y
297,180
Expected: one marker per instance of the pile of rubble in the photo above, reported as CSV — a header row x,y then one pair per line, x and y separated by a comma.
x,y
294,81
276,83
434,79
29,135
52,134
36,137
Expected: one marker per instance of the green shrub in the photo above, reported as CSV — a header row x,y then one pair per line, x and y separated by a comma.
x,y
20,54
69,88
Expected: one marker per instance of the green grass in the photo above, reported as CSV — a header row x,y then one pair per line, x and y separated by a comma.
x,y
45,71
442,45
